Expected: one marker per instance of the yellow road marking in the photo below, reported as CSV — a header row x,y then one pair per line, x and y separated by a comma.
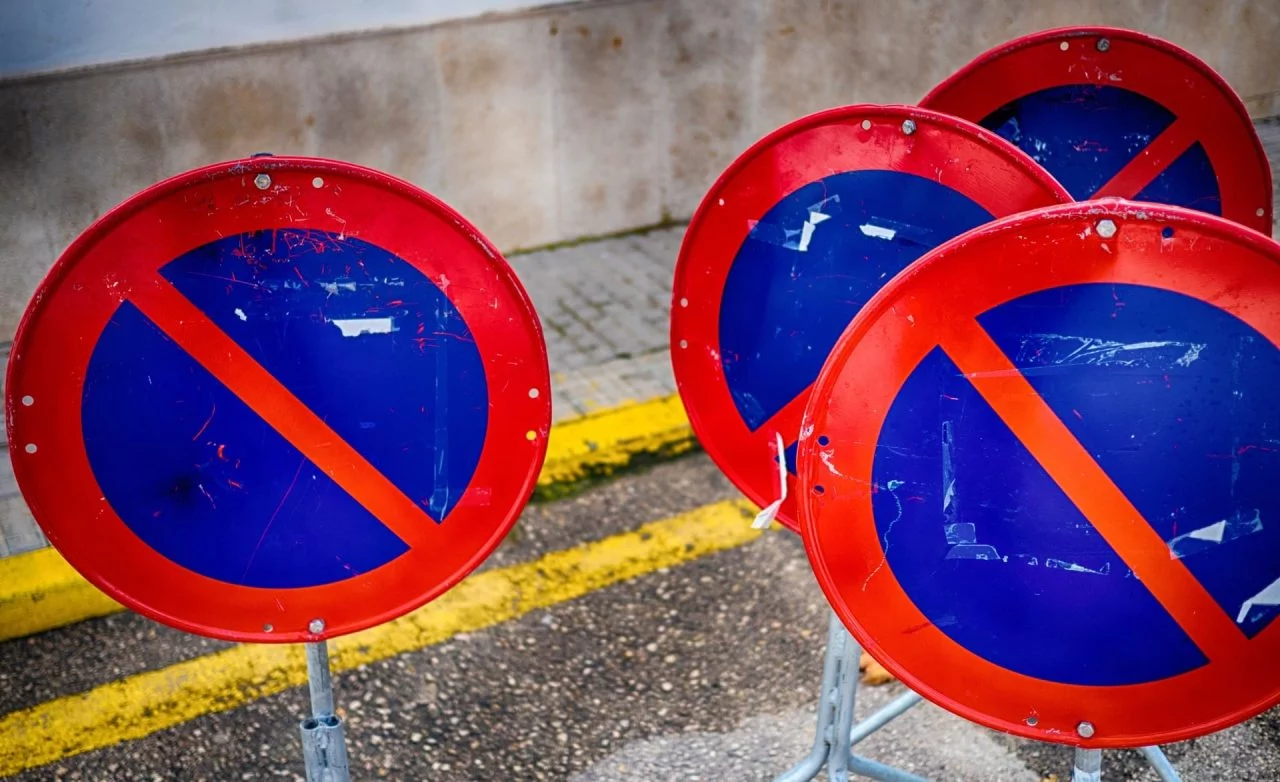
x,y
40,591
600,443
140,705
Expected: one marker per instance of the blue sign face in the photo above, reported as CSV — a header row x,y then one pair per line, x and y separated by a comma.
x,y
362,338
1085,134
807,268
1172,397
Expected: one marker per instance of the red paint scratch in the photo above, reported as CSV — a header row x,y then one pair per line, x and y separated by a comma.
x,y
222,452
206,423
272,520
458,337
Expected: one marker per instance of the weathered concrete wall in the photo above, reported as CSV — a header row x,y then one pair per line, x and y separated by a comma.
x,y
539,126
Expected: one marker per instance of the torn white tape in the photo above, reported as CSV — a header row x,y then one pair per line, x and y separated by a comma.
x,y
1270,596
355,327
877,231
765,517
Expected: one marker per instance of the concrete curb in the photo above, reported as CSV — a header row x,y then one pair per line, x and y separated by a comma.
x,y
39,591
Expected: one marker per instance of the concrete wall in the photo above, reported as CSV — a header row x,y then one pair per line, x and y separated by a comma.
x,y
54,35
542,125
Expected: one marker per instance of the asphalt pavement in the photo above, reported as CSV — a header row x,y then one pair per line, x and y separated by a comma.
x,y
704,671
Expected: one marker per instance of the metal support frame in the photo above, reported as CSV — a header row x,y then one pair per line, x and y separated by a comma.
x,y
836,733
324,747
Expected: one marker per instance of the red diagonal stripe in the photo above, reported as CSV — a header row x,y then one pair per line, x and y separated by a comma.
x,y
785,422
1088,486
1153,159
186,325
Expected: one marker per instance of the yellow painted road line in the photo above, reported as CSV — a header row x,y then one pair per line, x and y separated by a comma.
x,y
599,444
140,705
40,591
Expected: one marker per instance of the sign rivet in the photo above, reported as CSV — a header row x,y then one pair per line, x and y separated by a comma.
x,y
262,181
316,626
1106,229
1085,729
1103,44
909,126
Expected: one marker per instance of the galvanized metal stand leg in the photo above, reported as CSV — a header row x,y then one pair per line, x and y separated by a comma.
x,y
324,748
1163,768
836,733
808,768
1088,765
842,725
858,764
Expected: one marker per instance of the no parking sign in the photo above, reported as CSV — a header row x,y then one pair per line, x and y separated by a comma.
x,y
278,399
1038,475
798,234
1117,113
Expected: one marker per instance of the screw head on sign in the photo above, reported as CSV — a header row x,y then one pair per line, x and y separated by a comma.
x,y
1085,729
316,626
1103,44
262,181
909,126
1106,229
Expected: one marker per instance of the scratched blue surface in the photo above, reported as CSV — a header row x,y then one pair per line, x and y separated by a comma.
x,y
792,290
1085,134
1173,398
363,339
207,483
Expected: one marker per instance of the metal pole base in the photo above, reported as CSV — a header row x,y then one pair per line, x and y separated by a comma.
x,y
324,747
1088,765
836,734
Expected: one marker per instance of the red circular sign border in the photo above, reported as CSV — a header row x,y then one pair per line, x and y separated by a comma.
x,y
1033,63
721,224
172,217
923,657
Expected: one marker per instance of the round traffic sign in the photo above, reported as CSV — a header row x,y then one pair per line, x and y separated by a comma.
x,y
1043,459
791,241
1112,112
278,399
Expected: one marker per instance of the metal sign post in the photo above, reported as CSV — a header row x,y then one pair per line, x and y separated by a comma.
x,y
833,751
836,734
324,747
